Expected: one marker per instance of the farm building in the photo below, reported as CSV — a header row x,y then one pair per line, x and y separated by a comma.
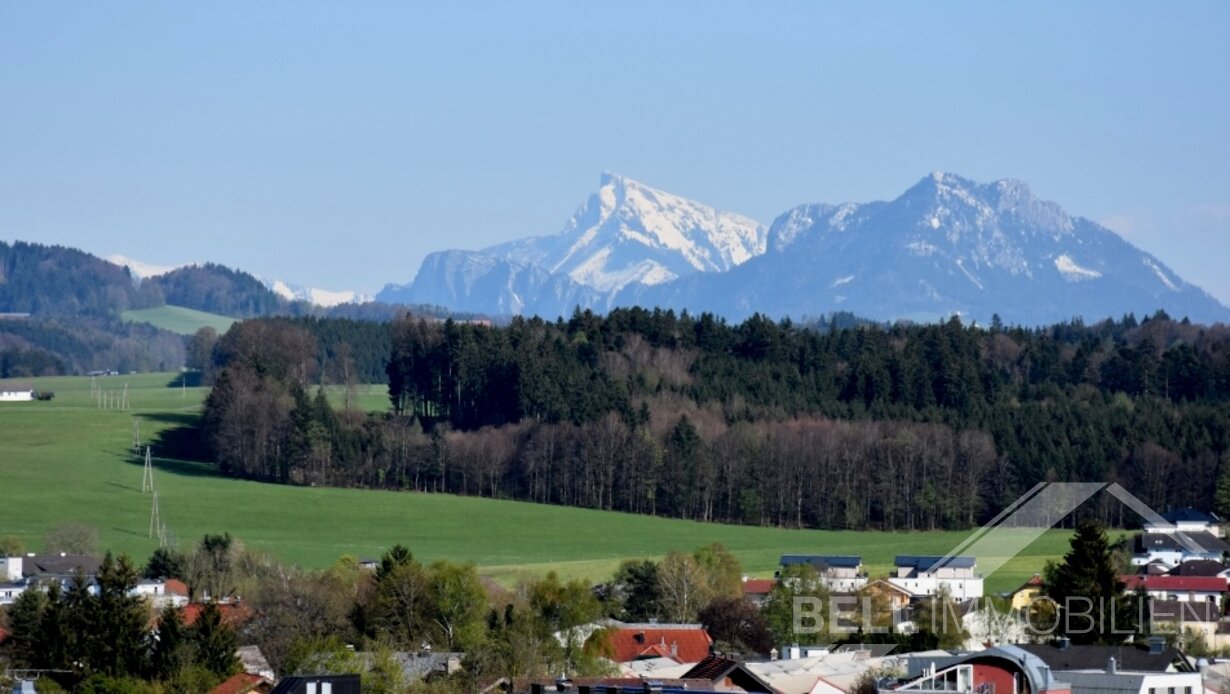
x,y
16,393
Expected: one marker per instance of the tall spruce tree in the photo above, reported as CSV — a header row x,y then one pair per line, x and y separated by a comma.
x,y
1092,607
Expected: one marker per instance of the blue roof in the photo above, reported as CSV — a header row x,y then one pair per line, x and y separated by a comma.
x,y
926,563
823,560
1189,515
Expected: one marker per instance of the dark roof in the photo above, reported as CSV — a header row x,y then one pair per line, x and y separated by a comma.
x,y
341,684
1207,542
625,685
1184,611
1198,567
59,565
823,561
923,563
1189,515
711,668
1081,657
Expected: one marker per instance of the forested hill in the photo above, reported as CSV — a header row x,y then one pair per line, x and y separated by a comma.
x,y
58,281
761,422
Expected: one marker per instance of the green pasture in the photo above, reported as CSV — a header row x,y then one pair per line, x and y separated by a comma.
x,y
67,460
178,319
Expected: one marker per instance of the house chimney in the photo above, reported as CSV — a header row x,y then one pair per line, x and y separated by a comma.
x,y
674,649
1063,643
1111,668
773,653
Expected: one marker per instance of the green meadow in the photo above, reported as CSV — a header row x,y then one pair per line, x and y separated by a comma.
x,y
178,319
67,460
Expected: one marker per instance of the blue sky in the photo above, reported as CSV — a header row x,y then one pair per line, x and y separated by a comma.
x,y
336,144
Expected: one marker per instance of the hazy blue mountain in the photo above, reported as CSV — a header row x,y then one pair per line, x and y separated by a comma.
x,y
947,245
481,283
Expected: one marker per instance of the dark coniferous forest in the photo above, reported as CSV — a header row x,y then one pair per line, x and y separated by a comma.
x,y
764,422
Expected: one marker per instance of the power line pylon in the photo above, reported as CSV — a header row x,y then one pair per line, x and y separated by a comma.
x,y
154,520
147,477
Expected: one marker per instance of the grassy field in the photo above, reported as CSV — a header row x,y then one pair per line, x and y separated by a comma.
x,y
178,319
66,460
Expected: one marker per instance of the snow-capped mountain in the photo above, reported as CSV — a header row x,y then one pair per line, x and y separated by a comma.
x,y
312,295
947,245
480,283
140,270
629,232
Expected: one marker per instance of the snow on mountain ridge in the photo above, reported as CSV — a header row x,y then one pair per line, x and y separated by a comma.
x,y
630,232
312,295
141,270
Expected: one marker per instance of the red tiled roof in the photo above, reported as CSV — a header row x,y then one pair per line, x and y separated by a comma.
x,y
174,586
758,586
1214,584
239,684
683,644
4,634
232,615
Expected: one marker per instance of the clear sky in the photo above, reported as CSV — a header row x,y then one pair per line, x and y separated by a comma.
x,y
335,144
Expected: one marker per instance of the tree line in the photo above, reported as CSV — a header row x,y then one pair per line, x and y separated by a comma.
x,y
763,422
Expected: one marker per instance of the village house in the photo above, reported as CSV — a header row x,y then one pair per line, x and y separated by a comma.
x,y
838,573
16,393
1186,520
1179,588
1023,597
924,576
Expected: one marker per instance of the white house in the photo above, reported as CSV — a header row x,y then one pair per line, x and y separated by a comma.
x,y
16,394
1186,520
10,591
838,573
1179,588
927,576
1175,547
11,569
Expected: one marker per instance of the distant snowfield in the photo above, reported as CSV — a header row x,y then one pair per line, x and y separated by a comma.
x,y
140,269
1073,272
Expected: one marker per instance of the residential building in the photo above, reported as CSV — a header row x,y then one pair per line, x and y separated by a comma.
x,y
1201,567
1023,597
1174,548
998,670
682,643
16,393
757,590
1184,588
319,684
924,576
1186,520
839,573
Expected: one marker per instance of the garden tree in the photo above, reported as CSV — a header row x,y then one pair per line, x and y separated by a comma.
x,y
684,585
164,562
173,648
724,574
940,615
71,538
797,583
57,642
738,625
564,610
115,620
397,609
215,642
12,546
457,605
210,570
634,592
25,622
294,604
1085,586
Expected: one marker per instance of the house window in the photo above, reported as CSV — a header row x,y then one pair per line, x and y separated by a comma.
x,y
1170,690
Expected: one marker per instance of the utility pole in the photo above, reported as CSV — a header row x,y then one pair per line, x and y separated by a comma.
x,y
154,520
147,477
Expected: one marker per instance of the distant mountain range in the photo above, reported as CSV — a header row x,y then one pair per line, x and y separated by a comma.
x,y
946,246
291,292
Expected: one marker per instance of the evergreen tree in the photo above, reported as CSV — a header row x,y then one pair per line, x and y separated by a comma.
x,y
215,642
173,645
1092,608
25,617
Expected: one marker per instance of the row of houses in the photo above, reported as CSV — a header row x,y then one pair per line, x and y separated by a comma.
x,y
37,571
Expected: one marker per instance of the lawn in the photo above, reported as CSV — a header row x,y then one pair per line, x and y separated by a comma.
x,y
178,319
67,460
